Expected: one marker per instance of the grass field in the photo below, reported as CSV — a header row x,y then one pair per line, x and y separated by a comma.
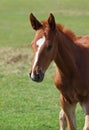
x,y
25,105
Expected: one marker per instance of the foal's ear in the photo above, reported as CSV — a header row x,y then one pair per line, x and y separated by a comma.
x,y
51,21
34,22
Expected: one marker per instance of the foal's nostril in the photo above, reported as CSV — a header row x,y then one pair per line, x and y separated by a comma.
x,y
30,74
38,76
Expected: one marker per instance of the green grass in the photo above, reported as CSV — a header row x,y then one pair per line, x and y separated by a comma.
x,y
25,105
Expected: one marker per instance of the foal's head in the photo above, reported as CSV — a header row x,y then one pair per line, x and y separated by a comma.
x,y
43,45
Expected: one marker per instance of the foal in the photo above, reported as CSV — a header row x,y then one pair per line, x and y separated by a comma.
x,y
71,55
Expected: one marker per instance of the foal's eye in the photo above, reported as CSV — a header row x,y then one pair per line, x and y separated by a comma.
x,y
49,47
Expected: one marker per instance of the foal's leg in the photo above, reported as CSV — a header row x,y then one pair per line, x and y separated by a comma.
x,y
69,110
85,106
62,120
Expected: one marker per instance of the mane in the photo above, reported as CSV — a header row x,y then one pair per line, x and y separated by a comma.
x,y
67,32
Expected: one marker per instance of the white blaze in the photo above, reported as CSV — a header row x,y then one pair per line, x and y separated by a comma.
x,y
39,43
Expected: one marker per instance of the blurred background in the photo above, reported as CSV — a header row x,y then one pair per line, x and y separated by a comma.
x,y
25,105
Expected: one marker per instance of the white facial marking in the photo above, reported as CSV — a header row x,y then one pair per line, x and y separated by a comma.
x,y
39,43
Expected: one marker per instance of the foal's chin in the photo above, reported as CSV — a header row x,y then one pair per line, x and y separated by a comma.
x,y
36,80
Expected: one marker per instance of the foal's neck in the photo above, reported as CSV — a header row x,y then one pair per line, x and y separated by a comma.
x,y
65,57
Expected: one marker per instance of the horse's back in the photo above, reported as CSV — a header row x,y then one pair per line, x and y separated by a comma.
x,y
83,41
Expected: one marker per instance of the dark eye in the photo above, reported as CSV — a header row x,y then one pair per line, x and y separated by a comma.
x,y
49,47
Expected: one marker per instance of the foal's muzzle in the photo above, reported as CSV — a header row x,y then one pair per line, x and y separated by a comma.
x,y
37,76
